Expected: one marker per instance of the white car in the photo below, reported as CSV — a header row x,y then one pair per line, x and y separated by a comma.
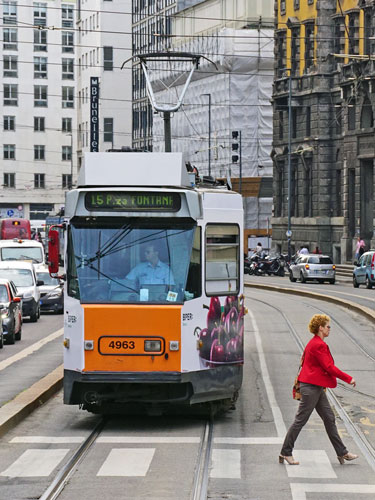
x,y
23,276
313,267
22,250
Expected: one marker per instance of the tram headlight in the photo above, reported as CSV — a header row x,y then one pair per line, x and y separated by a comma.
x,y
152,345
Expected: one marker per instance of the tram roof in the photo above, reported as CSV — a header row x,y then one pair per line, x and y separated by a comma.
x,y
133,169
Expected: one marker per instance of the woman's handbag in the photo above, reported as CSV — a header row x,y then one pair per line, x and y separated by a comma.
x,y
296,391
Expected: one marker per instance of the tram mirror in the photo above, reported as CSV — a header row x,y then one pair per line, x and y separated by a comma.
x,y
53,251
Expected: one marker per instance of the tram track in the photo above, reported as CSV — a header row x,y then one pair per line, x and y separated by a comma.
x,y
358,436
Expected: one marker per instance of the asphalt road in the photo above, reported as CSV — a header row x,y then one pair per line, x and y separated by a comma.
x,y
134,459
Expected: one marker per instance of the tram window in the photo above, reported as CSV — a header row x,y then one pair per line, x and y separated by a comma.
x,y
194,279
73,286
222,259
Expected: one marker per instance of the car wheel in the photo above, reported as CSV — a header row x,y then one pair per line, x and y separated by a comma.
x,y
302,278
1,340
11,339
355,282
291,278
332,281
34,317
38,312
368,283
19,333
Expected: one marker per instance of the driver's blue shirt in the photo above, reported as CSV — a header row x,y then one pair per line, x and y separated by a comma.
x,y
146,274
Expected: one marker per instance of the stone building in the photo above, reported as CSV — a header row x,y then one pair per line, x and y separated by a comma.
x,y
325,77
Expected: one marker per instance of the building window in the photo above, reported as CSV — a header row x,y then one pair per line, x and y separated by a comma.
x,y
40,41
40,14
281,125
9,123
67,15
308,121
338,193
368,32
40,96
68,97
10,38
108,58
307,187
66,181
282,7
39,152
40,67
353,30
294,122
296,4
9,180
9,152
66,153
39,124
108,129
67,41
281,52
351,114
295,49
10,94
66,125
39,181
10,65
367,117
67,69
9,12
309,45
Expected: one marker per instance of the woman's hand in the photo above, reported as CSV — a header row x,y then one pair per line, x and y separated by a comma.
x,y
353,382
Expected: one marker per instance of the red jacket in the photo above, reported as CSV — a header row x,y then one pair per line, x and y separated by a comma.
x,y
318,366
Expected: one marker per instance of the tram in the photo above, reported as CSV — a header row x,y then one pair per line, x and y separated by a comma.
x,y
153,306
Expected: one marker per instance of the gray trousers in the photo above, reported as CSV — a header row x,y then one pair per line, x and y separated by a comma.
x,y
313,396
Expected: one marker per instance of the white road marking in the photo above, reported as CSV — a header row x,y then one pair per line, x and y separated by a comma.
x,y
299,490
35,463
277,416
226,464
148,440
313,464
249,440
47,439
128,462
29,350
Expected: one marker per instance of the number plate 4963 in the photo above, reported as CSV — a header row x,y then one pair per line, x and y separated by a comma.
x,y
127,346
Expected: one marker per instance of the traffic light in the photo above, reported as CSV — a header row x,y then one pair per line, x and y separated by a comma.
x,y
235,146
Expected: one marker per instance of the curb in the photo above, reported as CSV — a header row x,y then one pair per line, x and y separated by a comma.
x,y
27,401
363,310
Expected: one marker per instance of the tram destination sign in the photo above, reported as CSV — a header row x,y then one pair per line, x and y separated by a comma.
x,y
131,201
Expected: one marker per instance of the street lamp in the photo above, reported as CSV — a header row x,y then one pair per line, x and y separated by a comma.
x,y
209,133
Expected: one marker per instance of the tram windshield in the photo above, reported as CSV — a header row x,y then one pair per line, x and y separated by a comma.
x,y
113,261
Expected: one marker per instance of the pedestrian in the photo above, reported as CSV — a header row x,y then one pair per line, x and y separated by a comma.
x,y
317,251
303,250
317,373
259,248
360,248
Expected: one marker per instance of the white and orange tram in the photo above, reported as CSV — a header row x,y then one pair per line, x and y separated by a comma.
x,y
154,312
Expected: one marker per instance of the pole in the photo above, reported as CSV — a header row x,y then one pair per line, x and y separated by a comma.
x,y
167,131
240,158
289,162
209,134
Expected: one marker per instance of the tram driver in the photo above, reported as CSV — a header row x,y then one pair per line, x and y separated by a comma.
x,y
151,272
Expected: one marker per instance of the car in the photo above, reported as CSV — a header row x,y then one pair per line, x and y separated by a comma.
x,y
313,267
23,276
364,272
51,293
22,250
11,311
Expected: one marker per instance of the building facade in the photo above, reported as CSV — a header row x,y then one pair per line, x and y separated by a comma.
x,y
37,106
323,142
103,45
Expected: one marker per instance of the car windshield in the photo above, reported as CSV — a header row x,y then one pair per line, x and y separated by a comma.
x,y
20,277
128,260
34,254
4,294
47,279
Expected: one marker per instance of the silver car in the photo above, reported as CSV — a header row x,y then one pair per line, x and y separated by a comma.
x,y
313,267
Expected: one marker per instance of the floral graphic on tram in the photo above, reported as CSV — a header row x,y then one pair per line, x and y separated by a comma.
x,y
221,342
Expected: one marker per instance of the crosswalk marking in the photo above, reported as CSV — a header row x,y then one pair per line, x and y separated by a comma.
x,y
148,440
249,440
313,464
47,439
226,464
35,463
299,490
127,462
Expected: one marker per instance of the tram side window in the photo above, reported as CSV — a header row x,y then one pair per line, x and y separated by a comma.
x,y
222,259
73,285
193,287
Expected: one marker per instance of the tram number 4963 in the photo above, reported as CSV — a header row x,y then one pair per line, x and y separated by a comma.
x,y
122,344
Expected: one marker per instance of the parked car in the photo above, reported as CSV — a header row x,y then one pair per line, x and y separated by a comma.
x,y
11,311
1,336
51,293
364,272
313,267
23,276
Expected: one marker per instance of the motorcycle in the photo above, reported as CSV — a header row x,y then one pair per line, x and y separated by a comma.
x,y
272,266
